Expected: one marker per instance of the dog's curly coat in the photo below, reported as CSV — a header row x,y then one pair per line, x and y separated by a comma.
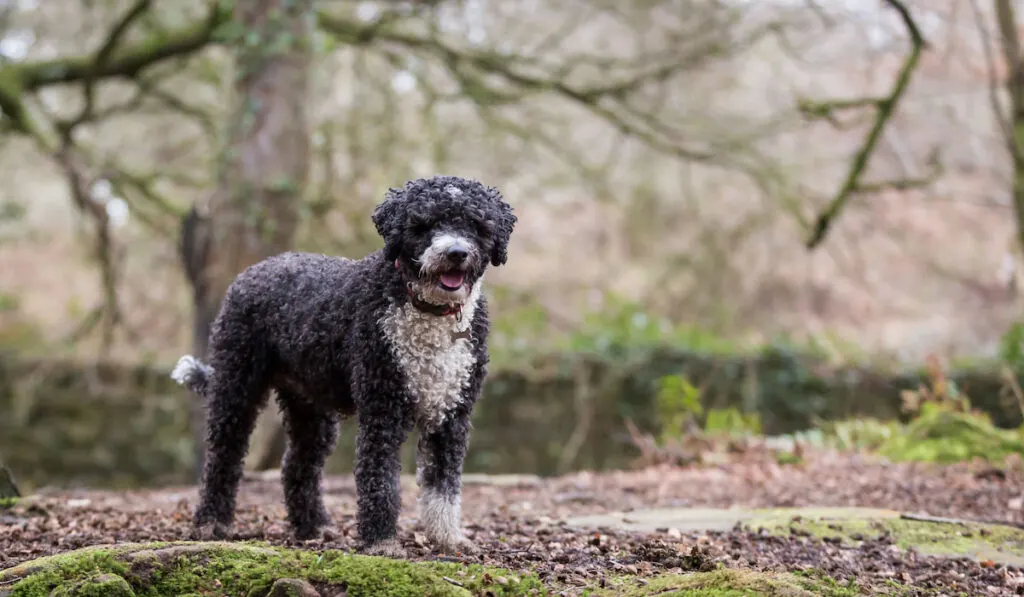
x,y
398,339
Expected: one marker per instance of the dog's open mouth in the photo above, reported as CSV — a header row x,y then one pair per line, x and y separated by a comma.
x,y
451,280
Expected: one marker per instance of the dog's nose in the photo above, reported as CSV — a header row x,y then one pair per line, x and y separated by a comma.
x,y
457,253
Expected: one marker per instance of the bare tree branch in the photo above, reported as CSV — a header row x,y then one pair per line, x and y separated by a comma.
x,y
885,108
71,163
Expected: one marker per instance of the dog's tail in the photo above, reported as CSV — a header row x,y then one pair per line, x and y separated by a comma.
x,y
192,373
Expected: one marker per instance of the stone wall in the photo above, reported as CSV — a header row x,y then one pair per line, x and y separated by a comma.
x,y
116,425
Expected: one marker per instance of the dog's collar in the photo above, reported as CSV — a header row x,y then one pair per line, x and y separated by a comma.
x,y
431,308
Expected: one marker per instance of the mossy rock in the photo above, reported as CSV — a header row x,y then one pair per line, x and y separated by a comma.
x,y
939,537
727,583
248,570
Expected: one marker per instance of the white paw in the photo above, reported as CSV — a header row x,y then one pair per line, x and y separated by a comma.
x,y
458,546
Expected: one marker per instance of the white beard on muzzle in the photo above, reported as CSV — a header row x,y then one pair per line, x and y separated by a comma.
x,y
435,270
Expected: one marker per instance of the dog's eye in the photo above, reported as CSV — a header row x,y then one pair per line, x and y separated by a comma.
x,y
420,226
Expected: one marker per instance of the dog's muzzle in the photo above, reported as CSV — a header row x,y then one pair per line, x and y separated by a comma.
x,y
446,260
455,255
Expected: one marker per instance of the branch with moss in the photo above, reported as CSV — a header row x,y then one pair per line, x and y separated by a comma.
x,y
474,70
111,60
103,55
884,108
486,77
125,61
490,78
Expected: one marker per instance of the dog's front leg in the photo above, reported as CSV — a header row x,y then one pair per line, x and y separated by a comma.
x,y
381,433
439,457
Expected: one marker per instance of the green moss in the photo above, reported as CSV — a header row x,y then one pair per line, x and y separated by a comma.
x,y
8,502
981,541
728,583
248,569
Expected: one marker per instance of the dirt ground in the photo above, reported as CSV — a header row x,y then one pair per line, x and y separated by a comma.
x,y
519,523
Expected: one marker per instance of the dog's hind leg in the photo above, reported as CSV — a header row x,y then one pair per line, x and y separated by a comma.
x,y
236,394
312,434
439,457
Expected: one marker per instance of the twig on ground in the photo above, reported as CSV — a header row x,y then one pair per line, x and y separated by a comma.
x,y
959,521
453,581
936,519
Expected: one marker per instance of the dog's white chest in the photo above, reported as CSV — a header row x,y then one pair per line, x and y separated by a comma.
x,y
436,366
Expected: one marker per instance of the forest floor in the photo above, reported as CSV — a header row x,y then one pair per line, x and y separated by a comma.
x,y
579,531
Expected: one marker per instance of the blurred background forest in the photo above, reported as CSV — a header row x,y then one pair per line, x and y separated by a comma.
x,y
667,159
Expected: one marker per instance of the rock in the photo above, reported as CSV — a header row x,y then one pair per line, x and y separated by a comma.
x,y
712,519
292,587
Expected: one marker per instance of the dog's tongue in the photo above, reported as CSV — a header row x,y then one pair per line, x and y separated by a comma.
x,y
452,279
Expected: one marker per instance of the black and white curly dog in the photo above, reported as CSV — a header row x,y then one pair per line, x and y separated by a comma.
x,y
398,339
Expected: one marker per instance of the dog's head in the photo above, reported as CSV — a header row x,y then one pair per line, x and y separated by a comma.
x,y
443,231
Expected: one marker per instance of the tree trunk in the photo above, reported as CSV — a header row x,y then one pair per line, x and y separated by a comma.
x,y
1015,86
1009,38
262,172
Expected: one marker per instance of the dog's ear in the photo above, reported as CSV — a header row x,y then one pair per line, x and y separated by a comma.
x,y
506,221
389,218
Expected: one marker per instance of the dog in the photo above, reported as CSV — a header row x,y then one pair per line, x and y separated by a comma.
x,y
397,340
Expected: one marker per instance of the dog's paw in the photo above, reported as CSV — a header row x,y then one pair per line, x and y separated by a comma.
x,y
309,535
312,528
460,546
314,534
209,531
388,548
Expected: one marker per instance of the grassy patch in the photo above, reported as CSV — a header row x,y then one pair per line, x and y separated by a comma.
x,y
249,570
